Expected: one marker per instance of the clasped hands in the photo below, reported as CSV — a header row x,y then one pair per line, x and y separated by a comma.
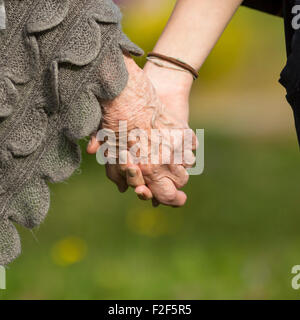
x,y
144,106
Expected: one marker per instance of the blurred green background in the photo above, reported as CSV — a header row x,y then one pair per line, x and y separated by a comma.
x,y
238,236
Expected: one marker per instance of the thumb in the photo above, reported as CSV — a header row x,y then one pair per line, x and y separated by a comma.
x,y
93,144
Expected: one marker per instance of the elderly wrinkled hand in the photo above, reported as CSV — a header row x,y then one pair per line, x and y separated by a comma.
x,y
140,108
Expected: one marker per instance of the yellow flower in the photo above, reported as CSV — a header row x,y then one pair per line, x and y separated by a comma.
x,y
69,251
153,222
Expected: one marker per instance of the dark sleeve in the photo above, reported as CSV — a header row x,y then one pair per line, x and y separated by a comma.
x,y
268,6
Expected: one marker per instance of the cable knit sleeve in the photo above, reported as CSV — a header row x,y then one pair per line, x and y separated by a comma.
x,y
56,58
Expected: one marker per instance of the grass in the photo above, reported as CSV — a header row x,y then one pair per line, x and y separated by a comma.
x,y
238,236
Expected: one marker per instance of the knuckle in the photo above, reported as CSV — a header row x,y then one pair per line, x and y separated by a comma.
x,y
146,169
189,159
170,197
184,180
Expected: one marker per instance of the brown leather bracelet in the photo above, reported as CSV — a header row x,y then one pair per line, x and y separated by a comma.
x,y
176,62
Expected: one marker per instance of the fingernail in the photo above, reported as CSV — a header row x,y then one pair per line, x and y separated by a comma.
x,y
155,203
132,172
141,196
121,189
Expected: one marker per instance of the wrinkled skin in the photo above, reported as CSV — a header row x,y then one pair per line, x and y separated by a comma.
x,y
137,104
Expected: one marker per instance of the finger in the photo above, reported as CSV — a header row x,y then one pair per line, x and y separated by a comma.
x,y
114,175
166,193
179,175
155,203
189,159
143,192
132,172
93,145
134,176
195,142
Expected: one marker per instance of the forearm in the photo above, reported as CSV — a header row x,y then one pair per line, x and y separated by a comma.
x,y
192,31
194,28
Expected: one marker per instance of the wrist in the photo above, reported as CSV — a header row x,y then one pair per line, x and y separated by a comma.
x,y
173,88
167,80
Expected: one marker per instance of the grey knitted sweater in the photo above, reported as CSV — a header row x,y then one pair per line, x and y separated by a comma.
x,y
56,58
